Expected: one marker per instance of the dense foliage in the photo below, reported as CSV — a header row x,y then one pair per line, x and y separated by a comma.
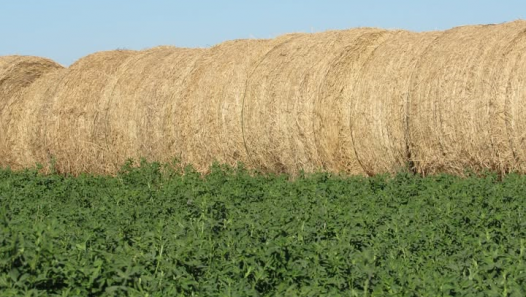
x,y
151,231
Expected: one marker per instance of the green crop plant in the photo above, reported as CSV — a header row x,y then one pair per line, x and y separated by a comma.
x,y
154,231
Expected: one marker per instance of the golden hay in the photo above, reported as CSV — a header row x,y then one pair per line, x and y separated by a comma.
x,y
168,81
333,135
213,102
360,101
508,109
289,113
16,74
458,114
379,102
147,87
77,122
26,134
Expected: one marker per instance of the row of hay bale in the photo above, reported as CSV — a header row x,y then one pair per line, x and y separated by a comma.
x,y
359,101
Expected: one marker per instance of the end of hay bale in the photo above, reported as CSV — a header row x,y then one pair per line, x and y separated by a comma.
x,y
77,127
17,73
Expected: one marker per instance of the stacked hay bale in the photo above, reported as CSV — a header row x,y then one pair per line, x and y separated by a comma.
x,y
360,101
18,72
510,75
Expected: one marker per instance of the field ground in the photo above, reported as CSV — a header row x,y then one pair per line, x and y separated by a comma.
x,y
150,231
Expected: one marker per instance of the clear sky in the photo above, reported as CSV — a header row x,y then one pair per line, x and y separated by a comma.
x,y
65,30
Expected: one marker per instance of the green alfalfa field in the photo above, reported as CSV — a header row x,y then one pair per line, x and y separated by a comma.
x,y
154,230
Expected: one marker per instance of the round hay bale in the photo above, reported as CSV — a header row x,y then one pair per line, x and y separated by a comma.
x,y
332,130
28,114
379,102
77,125
172,76
16,74
458,115
507,90
287,103
146,87
212,127
360,101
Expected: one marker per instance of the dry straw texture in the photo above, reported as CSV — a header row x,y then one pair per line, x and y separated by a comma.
x,y
214,102
333,134
211,103
174,72
145,103
133,108
511,104
77,126
466,101
292,116
26,134
16,74
378,102
359,101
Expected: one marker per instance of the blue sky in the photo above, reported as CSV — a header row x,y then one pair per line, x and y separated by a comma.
x,y
65,30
